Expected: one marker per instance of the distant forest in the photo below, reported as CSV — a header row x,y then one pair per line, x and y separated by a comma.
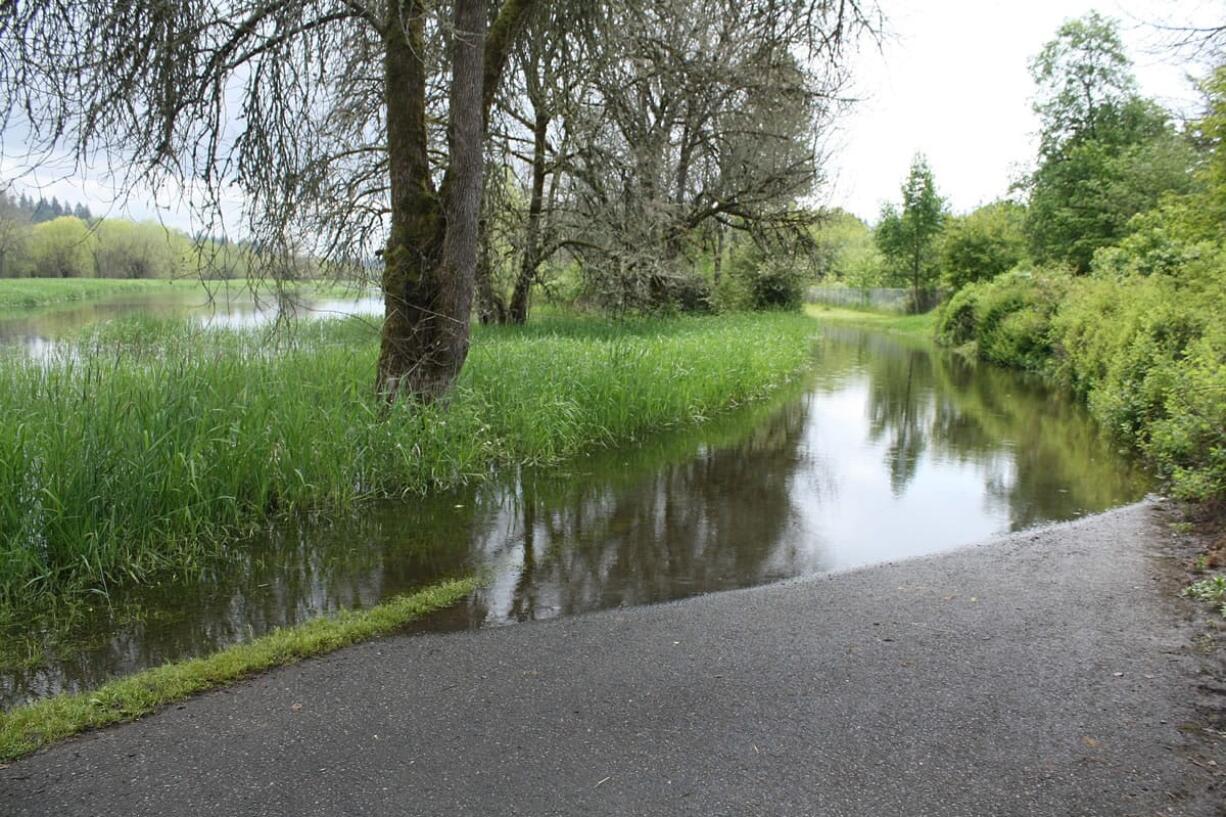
x,y
41,238
42,210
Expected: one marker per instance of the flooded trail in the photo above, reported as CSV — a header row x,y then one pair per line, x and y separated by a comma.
x,y
1040,673
889,450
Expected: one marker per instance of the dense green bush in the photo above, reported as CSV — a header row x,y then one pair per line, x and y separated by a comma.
x,y
983,244
1148,353
770,277
1008,319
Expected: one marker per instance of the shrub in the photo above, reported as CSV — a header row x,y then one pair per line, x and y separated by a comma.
x,y
1147,352
1008,320
770,279
956,322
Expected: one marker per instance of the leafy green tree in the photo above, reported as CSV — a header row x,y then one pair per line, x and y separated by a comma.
x,y
983,244
1105,154
61,248
1211,133
844,250
126,249
908,237
1183,229
1079,75
14,235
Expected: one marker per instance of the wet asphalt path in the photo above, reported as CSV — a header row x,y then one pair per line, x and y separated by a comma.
x,y
1045,673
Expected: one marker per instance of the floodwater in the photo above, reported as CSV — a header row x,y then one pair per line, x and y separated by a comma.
x,y
37,333
890,449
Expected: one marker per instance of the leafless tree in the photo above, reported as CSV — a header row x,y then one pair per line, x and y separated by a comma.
x,y
351,126
629,136
701,115
528,152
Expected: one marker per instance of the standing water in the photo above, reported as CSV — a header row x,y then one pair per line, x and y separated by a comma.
x,y
38,333
890,449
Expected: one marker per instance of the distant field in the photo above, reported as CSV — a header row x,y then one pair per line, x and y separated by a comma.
x,y
920,326
29,293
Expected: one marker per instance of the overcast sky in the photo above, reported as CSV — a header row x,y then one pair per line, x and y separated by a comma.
x,y
951,80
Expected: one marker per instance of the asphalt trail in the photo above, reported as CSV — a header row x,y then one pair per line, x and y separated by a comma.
x,y
1043,673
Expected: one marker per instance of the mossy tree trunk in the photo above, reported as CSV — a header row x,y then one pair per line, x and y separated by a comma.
x,y
431,256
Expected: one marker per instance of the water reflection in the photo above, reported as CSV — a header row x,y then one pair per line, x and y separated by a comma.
x,y
40,333
889,450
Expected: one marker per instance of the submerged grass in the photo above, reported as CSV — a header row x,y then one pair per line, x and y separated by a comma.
x,y
920,326
28,728
150,446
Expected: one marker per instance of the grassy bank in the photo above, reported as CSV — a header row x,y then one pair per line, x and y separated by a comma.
x,y
153,445
1146,352
27,728
29,293
919,326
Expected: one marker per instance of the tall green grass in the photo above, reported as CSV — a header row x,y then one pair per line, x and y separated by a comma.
x,y
150,446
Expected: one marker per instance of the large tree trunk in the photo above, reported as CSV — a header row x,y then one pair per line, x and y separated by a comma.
x,y
531,260
430,261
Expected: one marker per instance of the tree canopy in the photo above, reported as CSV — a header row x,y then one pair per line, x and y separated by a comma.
x,y
907,237
1105,153
360,128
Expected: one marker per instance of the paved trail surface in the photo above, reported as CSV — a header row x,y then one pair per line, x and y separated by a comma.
x,y
1044,673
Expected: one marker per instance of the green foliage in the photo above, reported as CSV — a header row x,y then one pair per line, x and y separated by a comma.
x,y
984,244
1210,214
1083,199
1007,319
846,251
1211,590
771,276
71,247
61,248
1078,75
1105,154
126,249
907,238
151,446
1147,353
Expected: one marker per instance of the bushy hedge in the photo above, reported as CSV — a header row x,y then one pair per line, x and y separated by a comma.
x,y
1148,354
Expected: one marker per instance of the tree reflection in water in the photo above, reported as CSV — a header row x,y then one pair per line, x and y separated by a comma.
x,y
891,449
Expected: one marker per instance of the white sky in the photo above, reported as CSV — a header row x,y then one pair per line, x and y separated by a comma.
x,y
951,80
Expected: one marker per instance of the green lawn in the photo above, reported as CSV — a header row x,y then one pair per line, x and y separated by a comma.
x,y
919,326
